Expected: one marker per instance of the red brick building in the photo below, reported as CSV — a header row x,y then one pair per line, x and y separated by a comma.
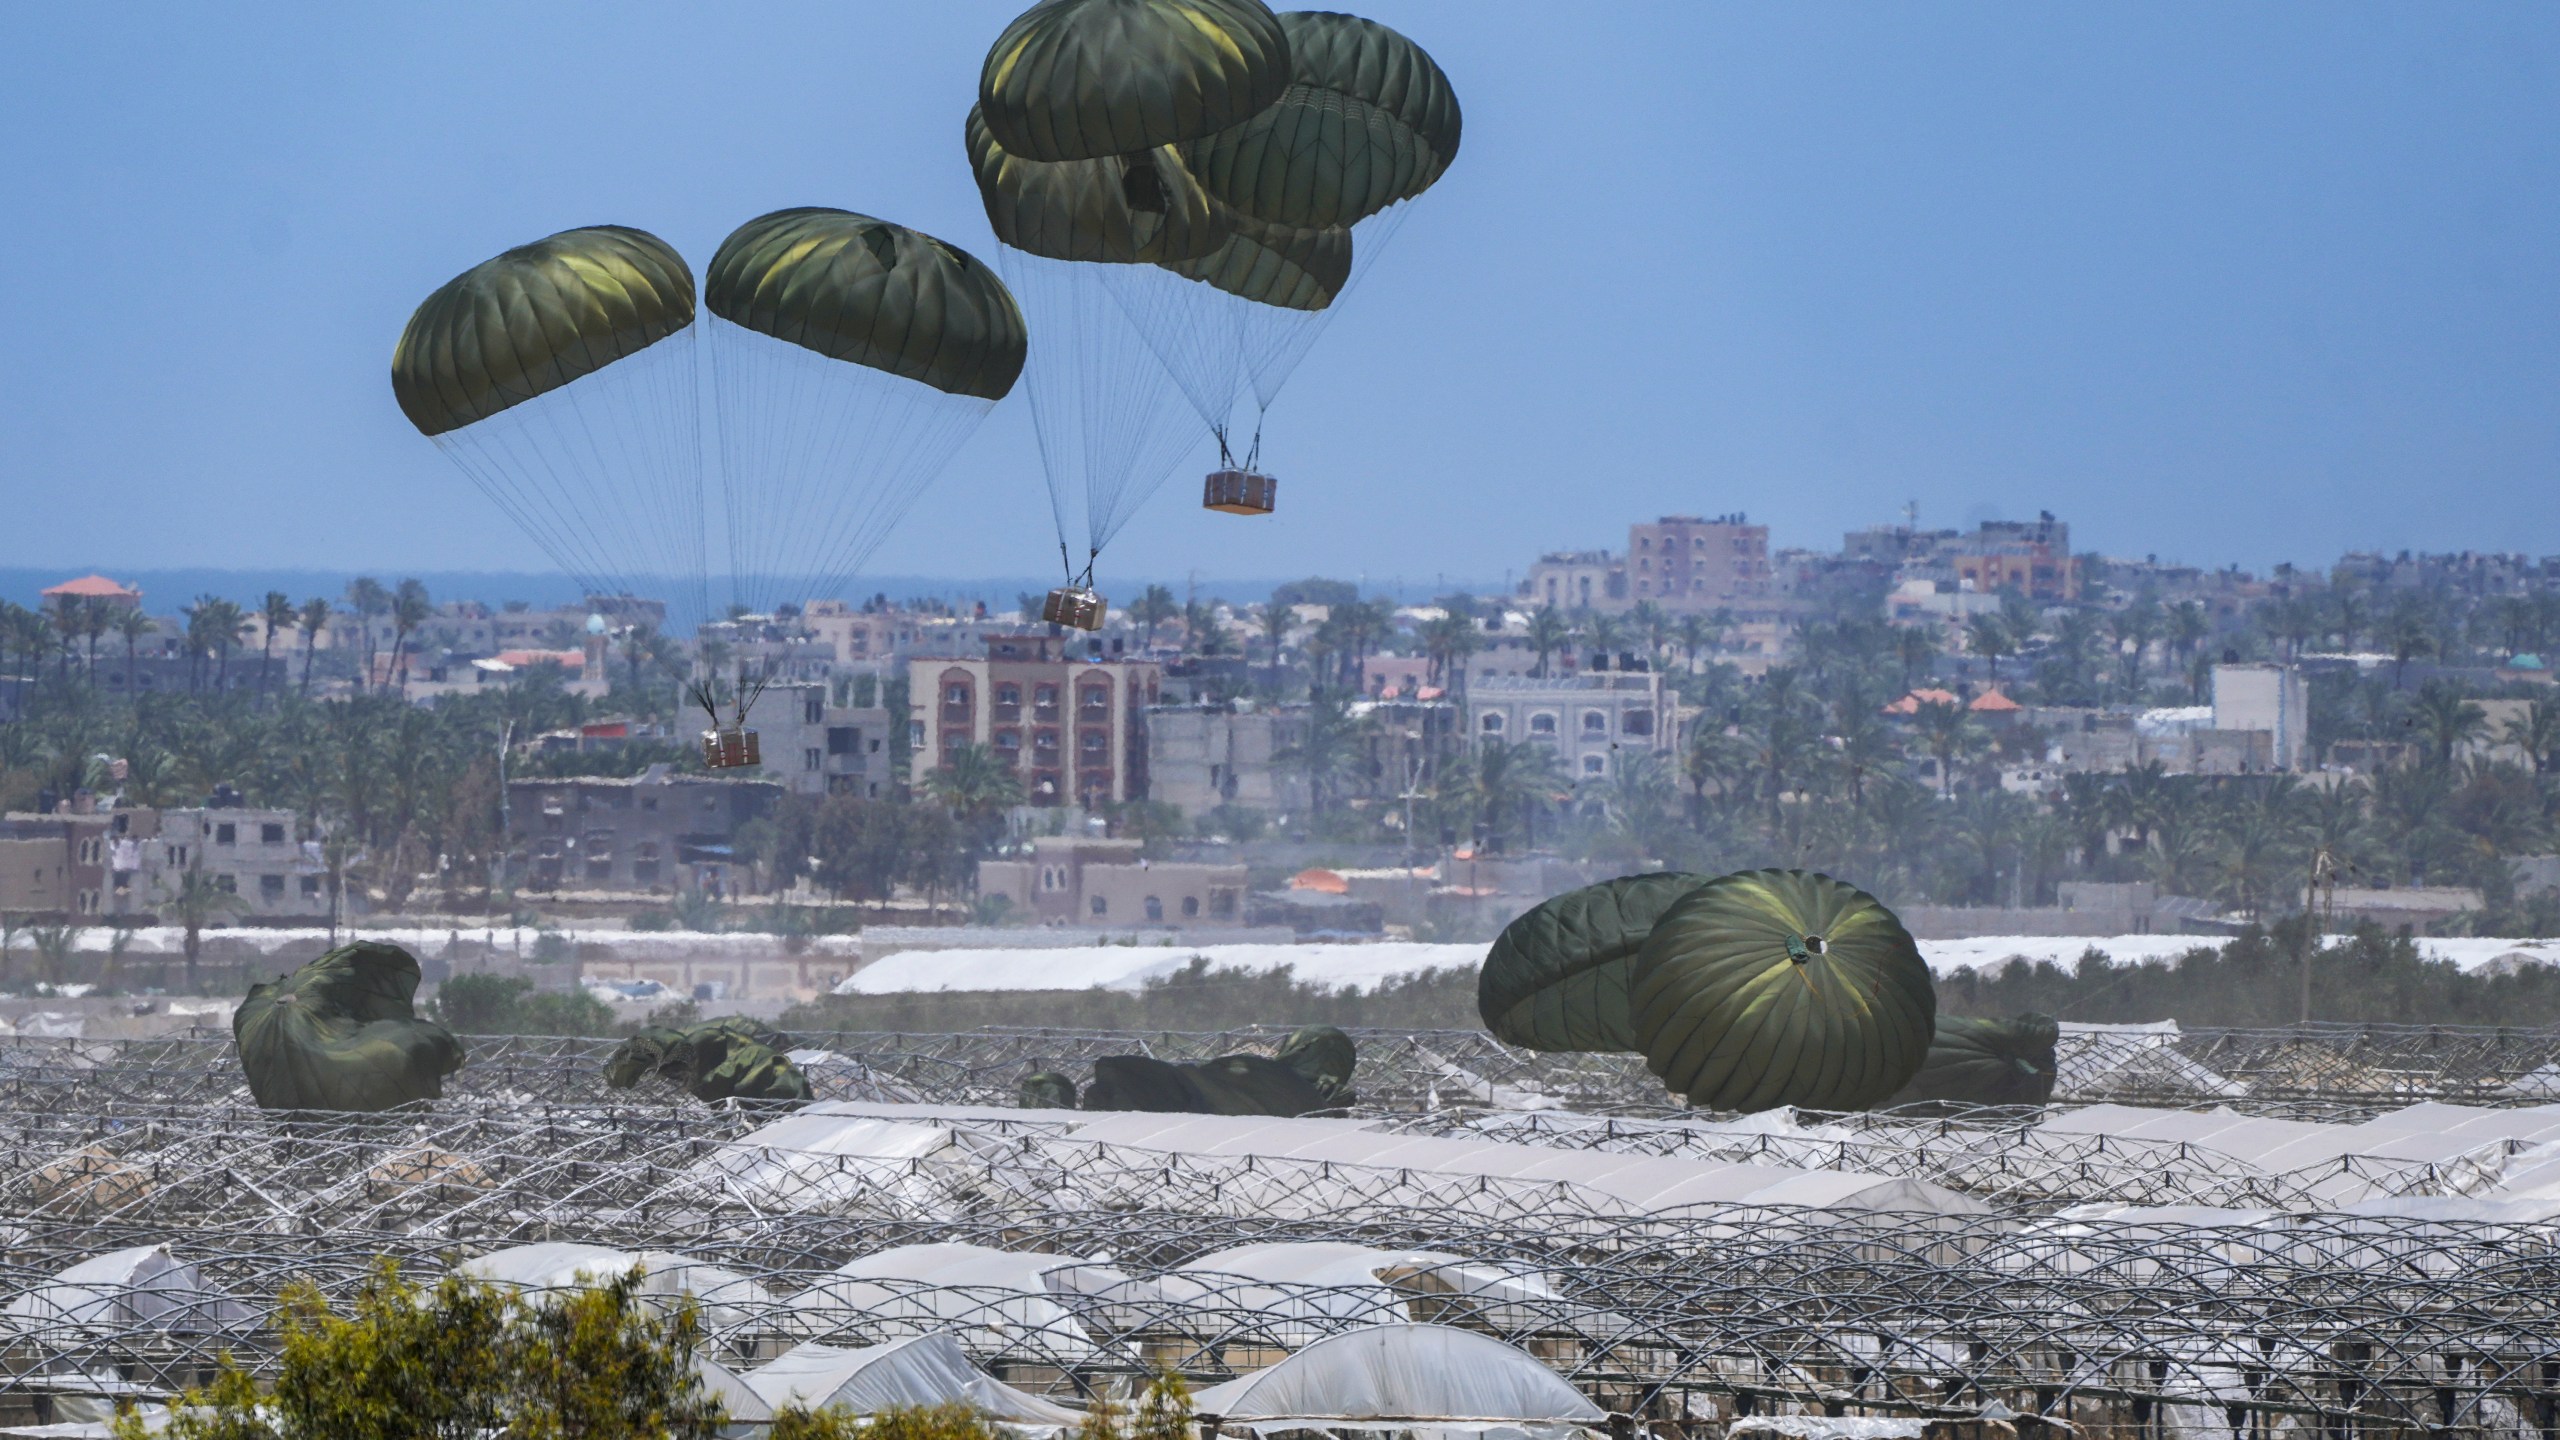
x,y
1073,729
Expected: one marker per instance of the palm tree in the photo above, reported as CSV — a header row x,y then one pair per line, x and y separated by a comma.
x,y
313,619
1548,631
1447,642
97,622
1154,606
1713,757
639,644
1514,779
2450,721
2134,628
2537,733
2075,635
2407,635
1275,622
1606,634
196,904
1694,637
1329,751
1650,622
1988,636
133,625
410,608
1947,732
1917,649
2188,628
369,601
277,613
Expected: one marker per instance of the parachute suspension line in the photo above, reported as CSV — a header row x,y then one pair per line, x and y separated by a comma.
x,y
1275,341
1107,412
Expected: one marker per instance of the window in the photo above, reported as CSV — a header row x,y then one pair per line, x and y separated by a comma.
x,y
1097,697
1595,765
1155,908
1222,903
1595,722
1491,724
1636,722
271,888
814,710
1008,741
1190,906
227,884
226,833
310,887
1101,906
271,833
1542,724
1008,694
843,740
178,856
955,695
813,758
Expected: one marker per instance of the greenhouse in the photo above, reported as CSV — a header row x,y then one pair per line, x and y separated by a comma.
x,y
2250,1254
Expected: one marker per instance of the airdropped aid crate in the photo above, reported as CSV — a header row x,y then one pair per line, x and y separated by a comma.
x,y
1075,607
730,747
1240,492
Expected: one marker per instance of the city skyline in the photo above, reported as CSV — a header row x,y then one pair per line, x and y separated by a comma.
x,y
1854,261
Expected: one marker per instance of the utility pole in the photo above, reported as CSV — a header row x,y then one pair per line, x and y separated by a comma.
x,y
506,818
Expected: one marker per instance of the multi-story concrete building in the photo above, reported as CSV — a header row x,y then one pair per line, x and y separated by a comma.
x,y
1685,563
2030,556
53,867
1081,880
1588,719
814,748
254,854
1074,729
2273,699
1577,580
657,832
862,639
1201,758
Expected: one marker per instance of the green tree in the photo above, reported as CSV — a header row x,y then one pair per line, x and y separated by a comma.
x,y
1154,606
2537,733
370,602
1989,636
314,618
198,901
2448,720
410,608
1548,632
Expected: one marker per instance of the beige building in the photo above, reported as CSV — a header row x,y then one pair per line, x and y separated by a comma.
x,y
1073,729
1685,563
861,639
1200,759
1081,880
1589,720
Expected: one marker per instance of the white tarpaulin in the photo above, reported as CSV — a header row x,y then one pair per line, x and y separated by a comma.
x,y
925,1370
990,1299
1130,967
143,1288
727,1297
1400,1377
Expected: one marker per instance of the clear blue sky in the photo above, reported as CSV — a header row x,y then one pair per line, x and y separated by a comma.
x,y
2224,282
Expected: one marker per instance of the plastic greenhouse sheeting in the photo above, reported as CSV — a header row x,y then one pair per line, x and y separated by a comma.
x,y
924,1370
985,1297
142,1288
726,1296
1401,1377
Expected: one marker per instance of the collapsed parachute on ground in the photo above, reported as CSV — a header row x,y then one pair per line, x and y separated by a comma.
x,y
1980,1061
1313,1071
1557,978
1082,79
1781,987
716,1060
342,1033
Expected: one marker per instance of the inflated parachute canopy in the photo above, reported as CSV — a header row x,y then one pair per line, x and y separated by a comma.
x,y
1277,265
871,293
1326,1057
1975,1060
1557,978
1045,1090
1369,119
1781,987
715,1060
1227,1085
534,319
341,1033
1120,210
1082,79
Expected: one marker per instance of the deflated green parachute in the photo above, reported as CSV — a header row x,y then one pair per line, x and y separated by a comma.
x,y
534,319
1557,978
866,291
1081,79
1781,987
1326,1058
341,1033
1979,1061
1369,119
1227,1085
1045,1090
715,1060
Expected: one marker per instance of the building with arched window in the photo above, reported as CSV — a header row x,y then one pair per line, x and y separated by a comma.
x,y
1074,729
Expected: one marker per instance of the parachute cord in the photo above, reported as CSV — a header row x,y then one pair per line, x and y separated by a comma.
x,y
1253,457
1226,457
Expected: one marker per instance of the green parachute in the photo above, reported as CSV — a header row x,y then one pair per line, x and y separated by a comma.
x,y
1980,1061
1781,987
732,1056
342,1033
1557,978
1082,79
1312,1071
534,319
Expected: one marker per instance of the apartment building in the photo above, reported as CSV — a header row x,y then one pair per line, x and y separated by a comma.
x,y
1590,720
1073,729
813,748
255,854
657,832
1685,563
1086,880
1201,758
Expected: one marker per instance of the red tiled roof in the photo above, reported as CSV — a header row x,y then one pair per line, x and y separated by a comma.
x,y
93,587
1910,704
1993,700
566,659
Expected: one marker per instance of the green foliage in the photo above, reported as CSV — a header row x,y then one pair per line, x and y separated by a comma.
x,y
1196,997
2256,980
509,1005
899,1422
461,1361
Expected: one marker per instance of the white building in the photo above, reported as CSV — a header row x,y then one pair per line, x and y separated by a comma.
x,y
1589,720
2272,699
